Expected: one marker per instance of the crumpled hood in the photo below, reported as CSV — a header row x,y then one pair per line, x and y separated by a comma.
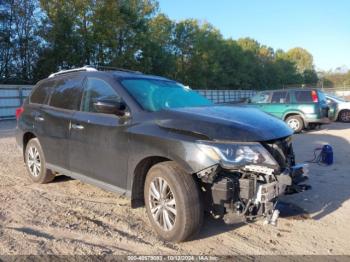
x,y
233,123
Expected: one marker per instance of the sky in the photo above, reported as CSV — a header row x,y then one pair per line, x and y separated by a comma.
x,y
320,26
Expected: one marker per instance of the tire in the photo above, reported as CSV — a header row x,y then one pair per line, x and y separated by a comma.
x,y
36,164
344,116
182,195
295,122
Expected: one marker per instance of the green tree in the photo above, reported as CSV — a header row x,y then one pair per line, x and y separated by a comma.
x,y
106,32
310,77
303,59
18,40
38,37
156,53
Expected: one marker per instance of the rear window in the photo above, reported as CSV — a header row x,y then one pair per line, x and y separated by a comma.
x,y
41,93
67,93
303,96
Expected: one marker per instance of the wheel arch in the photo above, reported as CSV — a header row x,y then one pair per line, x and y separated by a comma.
x,y
295,113
25,139
139,177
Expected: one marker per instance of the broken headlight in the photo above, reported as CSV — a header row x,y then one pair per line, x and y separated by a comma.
x,y
231,155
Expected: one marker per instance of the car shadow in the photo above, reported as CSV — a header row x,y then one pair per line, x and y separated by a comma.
x,y
61,178
212,226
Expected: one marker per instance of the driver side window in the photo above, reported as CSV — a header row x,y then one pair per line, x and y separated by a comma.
x,y
261,98
97,89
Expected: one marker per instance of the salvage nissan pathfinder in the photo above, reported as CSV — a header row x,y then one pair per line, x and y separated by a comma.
x,y
161,144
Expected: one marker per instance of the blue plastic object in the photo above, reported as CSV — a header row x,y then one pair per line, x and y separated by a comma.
x,y
327,155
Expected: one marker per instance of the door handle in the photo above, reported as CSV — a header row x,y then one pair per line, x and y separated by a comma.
x,y
77,126
39,119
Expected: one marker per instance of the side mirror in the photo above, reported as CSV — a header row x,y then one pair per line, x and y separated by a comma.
x,y
110,107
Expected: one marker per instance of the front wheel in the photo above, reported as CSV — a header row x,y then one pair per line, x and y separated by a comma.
x,y
172,201
344,116
296,123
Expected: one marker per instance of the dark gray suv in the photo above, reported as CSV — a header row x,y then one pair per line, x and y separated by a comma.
x,y
159,143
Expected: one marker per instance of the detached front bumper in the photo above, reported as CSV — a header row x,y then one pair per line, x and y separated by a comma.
x,y
299,174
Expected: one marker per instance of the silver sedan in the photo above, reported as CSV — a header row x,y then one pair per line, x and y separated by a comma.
x,y
342,108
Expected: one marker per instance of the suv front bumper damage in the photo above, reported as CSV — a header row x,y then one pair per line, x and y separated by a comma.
x,y
249,192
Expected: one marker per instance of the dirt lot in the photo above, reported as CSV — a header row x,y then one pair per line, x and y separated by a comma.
x,y
70,217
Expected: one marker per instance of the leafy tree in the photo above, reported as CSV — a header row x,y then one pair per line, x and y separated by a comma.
x,y
38,37
335,79
303,59
18,40
156,55
310,77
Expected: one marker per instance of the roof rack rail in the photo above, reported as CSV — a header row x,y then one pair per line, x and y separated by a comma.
x,y
84,68
112,68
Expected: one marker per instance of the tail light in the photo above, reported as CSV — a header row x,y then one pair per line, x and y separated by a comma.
x,y
19,112
314,96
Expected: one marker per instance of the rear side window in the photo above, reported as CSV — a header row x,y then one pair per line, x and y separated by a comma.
x,y
41,93
67,93
303,96
280,97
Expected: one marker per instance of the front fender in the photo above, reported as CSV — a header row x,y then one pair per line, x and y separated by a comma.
x,y
180,148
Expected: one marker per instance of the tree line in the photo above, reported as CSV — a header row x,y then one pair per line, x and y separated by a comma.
x,y
335,79
38,37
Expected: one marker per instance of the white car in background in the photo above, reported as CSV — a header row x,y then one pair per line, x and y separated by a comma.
x,y
342,108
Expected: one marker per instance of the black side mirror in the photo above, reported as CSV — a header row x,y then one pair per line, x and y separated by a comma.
x,y
110,107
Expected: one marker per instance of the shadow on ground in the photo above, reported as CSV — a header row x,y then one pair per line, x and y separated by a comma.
x,y
61,179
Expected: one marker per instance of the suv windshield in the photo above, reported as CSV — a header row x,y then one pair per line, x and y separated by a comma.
x,y
154,95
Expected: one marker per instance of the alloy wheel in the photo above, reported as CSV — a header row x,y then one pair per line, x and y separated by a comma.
x,y
162,203
345,116
293,124
33,161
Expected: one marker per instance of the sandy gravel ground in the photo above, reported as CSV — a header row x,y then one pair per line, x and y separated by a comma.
x,y
70,217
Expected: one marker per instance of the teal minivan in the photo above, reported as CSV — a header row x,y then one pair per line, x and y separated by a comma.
x,y
299,108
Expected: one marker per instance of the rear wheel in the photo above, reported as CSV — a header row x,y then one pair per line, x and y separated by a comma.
x,y
172,202
344,116
35,163
295,122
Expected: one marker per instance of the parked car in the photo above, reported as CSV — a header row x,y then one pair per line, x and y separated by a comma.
x,y
299,108
342,108
159,143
